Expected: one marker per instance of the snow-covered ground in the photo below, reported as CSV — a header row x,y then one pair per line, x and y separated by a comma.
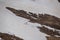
x,y
9,23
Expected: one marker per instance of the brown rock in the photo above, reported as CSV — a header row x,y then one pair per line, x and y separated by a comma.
x,y
45,19
53,38
6,36
49,31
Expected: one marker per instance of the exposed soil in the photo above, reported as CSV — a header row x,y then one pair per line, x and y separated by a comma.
x,y
6,36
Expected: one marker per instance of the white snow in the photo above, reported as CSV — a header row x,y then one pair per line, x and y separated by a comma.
x,y
9,23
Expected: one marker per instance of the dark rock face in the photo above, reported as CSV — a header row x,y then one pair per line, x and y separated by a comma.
x,y
5,36
59,1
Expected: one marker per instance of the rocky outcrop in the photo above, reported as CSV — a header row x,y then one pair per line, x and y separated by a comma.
x,y
49,31
52,38
43,19
6,36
